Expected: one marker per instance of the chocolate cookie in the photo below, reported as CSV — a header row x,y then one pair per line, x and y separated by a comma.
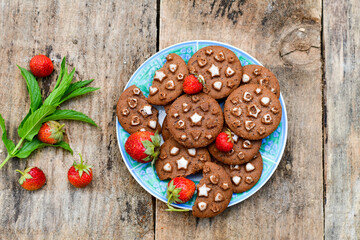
x,y
135,113
165,130
177,161
243,151
168,81
244,177
219,67
252,111
261,75
167,107
195,120
214,191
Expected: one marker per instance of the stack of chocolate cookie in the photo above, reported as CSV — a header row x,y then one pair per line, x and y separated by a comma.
x,y
252,111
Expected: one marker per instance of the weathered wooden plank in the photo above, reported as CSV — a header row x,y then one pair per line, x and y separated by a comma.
x,y
341,36
106,41
284,36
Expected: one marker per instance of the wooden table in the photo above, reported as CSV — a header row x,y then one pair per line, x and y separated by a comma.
x,y
311,45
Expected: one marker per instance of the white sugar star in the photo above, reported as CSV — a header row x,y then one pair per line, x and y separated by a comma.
x,y
204,190
159,75
214,70
182,163
195,118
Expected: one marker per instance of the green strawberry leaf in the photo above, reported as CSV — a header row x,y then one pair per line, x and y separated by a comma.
x,y
33,89
32,125
149,147
35,144
69,115
77,85
7,142
62,72
79,92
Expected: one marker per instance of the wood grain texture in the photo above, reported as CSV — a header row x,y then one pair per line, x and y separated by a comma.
x,y
106,41
341,36
285,37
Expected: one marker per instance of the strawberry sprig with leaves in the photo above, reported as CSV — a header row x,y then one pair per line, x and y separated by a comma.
x,y
43,111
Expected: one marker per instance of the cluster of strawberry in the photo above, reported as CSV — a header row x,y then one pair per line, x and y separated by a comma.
x,y
51,132
144,147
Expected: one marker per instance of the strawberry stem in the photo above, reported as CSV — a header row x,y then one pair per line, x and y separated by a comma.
x,y
61,127
22,173
171,208
81,159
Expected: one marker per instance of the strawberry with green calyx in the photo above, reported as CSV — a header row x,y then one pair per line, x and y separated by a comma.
x,y
193,84
179,190
51,132
224,141
80,175
143,147
32,178
41,66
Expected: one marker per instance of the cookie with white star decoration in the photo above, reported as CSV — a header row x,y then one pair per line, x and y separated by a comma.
x,y
135,113
219,67
177,161
168,81
261,75
245,176
195,120
214,191
242,152
252,111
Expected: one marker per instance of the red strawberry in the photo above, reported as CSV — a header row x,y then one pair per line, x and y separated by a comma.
x,y
224,141
41,66
80,175
193,84
180,190
51,132
32,178
143,146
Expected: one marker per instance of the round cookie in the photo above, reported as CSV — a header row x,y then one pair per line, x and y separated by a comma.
x,y
195,120
261,75
243,151
168,81
244,177
135,113
252,111
165,130
219,67
177,161
214,191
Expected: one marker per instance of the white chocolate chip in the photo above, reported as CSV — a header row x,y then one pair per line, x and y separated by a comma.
x,y
182,163
253,111
159,75
247,96
174,151
135,121
235,137
245,78
195,118
258,90
136,91
219,197
236,111
173,67
152,124
132,102
234,167
175,115
147,110
214,71
217,85
125,112
266,119
180,76
192,151
203,191
167,167
153,90
249,125
170,85
229,72
142,130
183,137
247,144
202,206
236,180
249,167
265,101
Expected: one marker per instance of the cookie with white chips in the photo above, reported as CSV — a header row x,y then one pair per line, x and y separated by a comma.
x,y
219,67
242,152
177,161
245,176
214,191
135,113
195,120
261,75
168,81
252,112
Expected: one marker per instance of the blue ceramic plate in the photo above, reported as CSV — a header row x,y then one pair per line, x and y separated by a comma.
x,y
272,147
